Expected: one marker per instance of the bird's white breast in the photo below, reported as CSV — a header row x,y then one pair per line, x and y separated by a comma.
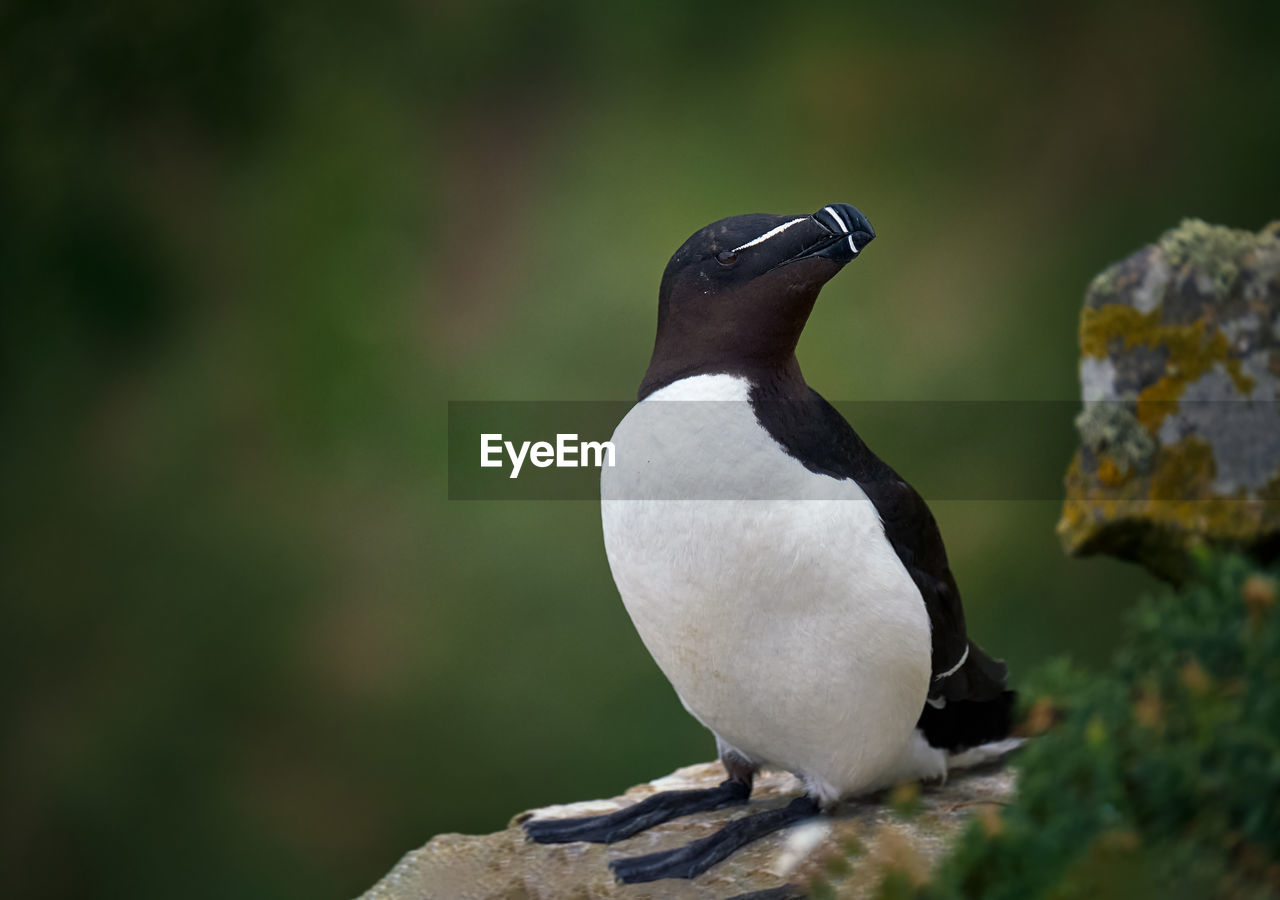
x,y
767,594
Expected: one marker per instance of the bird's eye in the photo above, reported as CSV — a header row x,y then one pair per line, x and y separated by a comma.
x,y
726,257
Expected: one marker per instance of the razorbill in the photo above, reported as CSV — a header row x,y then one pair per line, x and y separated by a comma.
x,y
791,586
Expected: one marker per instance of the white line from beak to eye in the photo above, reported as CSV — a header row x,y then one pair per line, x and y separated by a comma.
x,y
768,234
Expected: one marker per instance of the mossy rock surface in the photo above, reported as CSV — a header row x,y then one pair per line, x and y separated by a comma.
x,y
1180,375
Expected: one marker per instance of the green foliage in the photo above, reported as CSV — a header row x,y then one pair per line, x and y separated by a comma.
x,y
1159,777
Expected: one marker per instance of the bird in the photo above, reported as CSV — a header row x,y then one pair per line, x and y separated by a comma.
x,y
791,586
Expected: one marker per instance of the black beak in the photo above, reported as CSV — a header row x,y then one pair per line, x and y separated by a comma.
x,y
850,231
844,233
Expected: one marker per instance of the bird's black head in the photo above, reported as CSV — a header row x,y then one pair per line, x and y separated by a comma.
x,y
736,296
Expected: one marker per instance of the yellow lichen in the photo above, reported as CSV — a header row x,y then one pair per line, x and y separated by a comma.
x,y
1074,528
1175,506
1111,474
1193,350
1244,383
1184,471
1183,483
1189,345
1099,325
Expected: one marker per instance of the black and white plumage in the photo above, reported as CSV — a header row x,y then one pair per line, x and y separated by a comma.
x,y
791,586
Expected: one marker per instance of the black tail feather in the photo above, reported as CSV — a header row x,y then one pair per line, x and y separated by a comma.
x,y
980,678
959,724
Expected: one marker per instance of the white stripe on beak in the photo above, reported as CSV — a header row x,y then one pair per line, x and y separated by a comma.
x,y
773,232
835,215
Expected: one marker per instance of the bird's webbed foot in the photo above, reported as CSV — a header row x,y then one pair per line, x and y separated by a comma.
x,y
695,858
631,820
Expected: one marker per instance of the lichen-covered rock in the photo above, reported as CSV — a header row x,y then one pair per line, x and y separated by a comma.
x,y
1180,375
506,865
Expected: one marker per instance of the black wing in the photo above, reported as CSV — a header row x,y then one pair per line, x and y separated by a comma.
x,y
810,429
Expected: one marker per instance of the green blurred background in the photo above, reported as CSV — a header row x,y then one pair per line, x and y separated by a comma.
x,y
249,251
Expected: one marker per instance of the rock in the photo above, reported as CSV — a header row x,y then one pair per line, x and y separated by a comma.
x,y
506,865
1180,375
